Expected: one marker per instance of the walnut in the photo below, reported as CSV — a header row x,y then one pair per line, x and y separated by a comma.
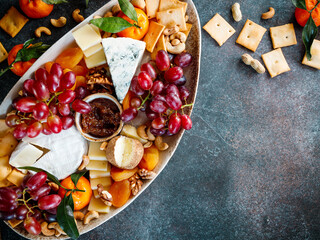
x,y
135,184
145,174
98,75
105,196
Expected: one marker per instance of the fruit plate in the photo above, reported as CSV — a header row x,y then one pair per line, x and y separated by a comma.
x,y
192,76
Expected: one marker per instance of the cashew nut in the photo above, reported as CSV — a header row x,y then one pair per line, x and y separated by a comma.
x,y
53,186
175,42
115,9
160,145
254,63
269,14
40,30
60,22
171,30
76,15
175,49
96,17
103,146
85,162
108,14
151,137
78,215
236,12
139,3
46,231
180,36
147,145
89,216
56,226
186,18
142,132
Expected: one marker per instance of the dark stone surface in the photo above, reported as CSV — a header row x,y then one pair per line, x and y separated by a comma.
x,y
249,168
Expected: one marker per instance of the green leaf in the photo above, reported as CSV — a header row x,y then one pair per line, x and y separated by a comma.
x,y
128,9
111,24
76,176
300,4
55,1
65,217
28,52
50,176
309,33
87,2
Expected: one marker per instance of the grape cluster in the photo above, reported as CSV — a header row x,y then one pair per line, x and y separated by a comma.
x,y
46,103
33,201
161,95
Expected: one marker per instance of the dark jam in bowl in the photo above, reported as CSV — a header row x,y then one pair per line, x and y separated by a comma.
x,y
103,120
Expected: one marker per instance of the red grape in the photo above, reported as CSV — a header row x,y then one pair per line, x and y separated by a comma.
x,y
172,89
162,60
36,181
184,93
34,129
25,180
49,217
148,68
180,82
135,102
7,197
67,96
53,83
45,129
28,85
157,88
54,123
26,104
42,191
171,56
41,75
67,122
174,123
151,114
173,101
32,226
14,102
158,106
52,211
20,131
53,108
7,215
129,114
173,74
159,98
183,60
64,109
7,207
56,69
18,191
21,212
145,80
135,87
36,214
40,91
158,123
50,201
81,106
186,122
81,92
157,132
12,120
68,80
40,111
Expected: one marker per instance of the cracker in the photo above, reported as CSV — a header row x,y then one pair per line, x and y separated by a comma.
x,y
275,62
189,26
3,53
315,59
153,35
172,17
283,36
152,7
13,21
219,29
161,45
171,4
251,35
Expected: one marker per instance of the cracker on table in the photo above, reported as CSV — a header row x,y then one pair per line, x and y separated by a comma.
x,y
3,53
219,29
152,7
171,4
161,45
275,62
172,17
13,21
251,35
283,36
154,32
315,59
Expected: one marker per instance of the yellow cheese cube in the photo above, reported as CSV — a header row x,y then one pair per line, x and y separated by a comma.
x,y
96,60
98,174
86,37
95,153
94,49
97,205
105,181
97,165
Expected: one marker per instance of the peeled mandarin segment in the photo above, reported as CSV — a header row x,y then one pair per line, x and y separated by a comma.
x,y
120,192
119,174
70,57
126,100
80,70
48,66
150,158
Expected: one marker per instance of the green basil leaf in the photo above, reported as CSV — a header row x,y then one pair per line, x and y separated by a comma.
x,y
309,33
55,1
300,4
50,176
111,24
128,9
65,217
28,52
76,176
87,2
28,42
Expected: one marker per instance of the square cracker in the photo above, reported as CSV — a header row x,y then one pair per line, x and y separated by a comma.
x,y
152,7
283,36
161,45
251,35
315,59
172,17
153,35
13,21
275,62
189,26
219,29
171,4
3,53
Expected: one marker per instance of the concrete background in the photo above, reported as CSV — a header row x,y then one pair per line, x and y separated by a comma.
x,y
249,168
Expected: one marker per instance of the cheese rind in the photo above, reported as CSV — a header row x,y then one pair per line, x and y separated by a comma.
x,y
86,37
95,153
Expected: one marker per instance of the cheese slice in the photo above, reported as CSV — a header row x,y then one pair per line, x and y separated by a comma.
x,y
97,165
104,181
123,57
98,174
94,49
25,154
95,153
96,59
97,205
86,37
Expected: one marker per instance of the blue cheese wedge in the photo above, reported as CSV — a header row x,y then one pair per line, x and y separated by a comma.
x,y
123,57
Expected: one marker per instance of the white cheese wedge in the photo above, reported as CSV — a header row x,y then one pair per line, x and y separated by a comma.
x,y
94,49
95,153
65,152
104,181
96,59
97,205
97,165
98,174
86,37
123,57
25,154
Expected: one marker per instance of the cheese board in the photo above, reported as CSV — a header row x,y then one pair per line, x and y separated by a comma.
x,y
69,41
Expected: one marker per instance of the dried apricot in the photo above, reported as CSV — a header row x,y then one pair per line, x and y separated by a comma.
x,y
70,57
120,192
150,158
80,70
126,100
119,174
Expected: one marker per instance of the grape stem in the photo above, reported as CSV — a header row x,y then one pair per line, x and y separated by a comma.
x,y
187,105
144,101
25,202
